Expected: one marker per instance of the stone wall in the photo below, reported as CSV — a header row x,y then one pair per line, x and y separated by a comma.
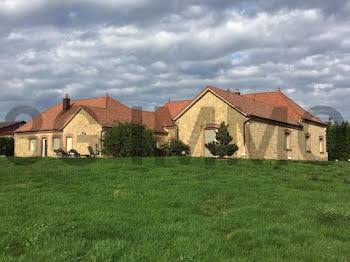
x,y
209,112
22,143
266,140
85,132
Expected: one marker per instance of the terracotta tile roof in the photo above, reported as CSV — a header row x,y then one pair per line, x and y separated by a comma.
x,y
284,110
166,113
105,110
255,108
278,99
6,124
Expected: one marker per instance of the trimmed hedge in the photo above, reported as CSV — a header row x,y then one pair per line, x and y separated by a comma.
x,y
7,145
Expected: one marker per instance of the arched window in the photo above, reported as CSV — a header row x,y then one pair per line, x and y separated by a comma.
x,y
287,140
308,143
321,142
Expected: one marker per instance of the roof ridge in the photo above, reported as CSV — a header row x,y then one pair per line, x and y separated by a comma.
x,y
258,93
255,101
87,98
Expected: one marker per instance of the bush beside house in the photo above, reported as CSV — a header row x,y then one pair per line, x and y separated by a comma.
x,y
7,146
174,148
129,140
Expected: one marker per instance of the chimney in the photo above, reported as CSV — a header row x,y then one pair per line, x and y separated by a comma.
x,y
66,103
237,92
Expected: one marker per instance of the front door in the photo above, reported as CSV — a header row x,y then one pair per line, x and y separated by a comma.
x,y
209,136
44,145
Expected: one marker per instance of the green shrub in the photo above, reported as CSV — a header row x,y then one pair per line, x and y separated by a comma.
x,y
129,140
178,148
7,146
174,148
222,147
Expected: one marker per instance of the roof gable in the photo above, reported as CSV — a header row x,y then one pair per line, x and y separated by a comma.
x,y
246,106
212,90
105,110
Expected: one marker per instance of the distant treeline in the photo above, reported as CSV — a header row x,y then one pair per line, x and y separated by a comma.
x,y
338,140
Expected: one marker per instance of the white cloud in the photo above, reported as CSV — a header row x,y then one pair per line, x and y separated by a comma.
x,y
145,51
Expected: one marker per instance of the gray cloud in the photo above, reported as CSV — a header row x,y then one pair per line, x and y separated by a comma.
x,y
144,52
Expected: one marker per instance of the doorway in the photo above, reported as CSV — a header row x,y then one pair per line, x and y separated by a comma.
x,y
44,149
209,136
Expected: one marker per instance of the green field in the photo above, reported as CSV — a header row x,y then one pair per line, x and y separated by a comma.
x,y
173,209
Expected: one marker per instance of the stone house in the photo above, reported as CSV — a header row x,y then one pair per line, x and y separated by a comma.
x,y
264,125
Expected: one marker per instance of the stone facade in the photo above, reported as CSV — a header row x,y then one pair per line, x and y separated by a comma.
x,y
265,139
207,113
22,143
85,132
82,128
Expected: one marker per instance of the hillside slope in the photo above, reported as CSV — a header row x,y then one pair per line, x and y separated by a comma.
x,y
173,209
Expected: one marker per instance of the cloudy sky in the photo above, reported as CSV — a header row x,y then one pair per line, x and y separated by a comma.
x,y
144,52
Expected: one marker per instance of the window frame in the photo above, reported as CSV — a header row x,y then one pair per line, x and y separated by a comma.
x,y
321,144
308,143
288,140
53,142
30,144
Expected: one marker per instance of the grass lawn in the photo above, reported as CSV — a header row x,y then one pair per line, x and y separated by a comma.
x,y
173,209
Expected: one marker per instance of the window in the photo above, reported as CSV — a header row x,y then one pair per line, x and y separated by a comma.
x,y
321,141
69,143
287,138
56,143
33,144
308,143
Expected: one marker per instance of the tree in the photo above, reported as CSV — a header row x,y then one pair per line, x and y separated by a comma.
x,y
222,147
129,140
338,140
